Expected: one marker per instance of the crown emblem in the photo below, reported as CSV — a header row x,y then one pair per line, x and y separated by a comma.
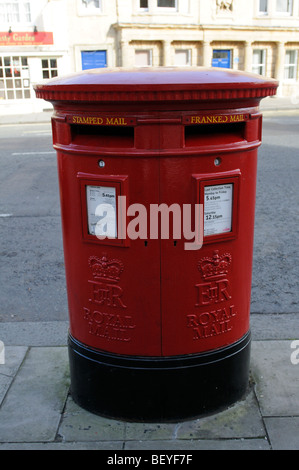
x,y
215,266
106,270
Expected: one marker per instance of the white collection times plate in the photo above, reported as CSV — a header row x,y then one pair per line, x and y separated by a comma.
x,y
218,205
101,210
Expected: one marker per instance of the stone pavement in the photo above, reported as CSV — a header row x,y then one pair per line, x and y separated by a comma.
x,y
37,411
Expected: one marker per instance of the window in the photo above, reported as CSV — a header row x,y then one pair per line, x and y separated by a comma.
x,y
93,59
259,61
143,4
89,7
290,67
143,58
182,57
222,58
284,6
14,78
15,11
49,68
167,3
263,7
91,4
27,12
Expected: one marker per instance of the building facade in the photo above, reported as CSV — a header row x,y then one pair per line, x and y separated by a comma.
x,y
259,36
43,38
33,47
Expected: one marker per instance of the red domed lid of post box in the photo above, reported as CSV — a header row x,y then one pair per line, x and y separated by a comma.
x,y
156,85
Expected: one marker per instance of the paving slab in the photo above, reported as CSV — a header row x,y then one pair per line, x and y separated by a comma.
x,y
283,432
242,420
277,379
78,424
194,445
151,431
63,446
13,357
32,409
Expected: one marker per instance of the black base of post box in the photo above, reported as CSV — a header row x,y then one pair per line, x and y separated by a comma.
x,y
158,389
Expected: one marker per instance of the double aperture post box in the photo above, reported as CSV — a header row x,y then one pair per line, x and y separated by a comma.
x,y
157,172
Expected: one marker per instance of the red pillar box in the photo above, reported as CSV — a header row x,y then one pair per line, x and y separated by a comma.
x,y
157,172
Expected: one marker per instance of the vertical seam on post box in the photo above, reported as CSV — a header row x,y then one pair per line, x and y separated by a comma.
x,y
160,245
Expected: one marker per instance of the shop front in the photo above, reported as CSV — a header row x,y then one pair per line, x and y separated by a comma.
x,y
25,58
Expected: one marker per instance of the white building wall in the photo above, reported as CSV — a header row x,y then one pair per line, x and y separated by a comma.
x,y
46,16
89,29
138,32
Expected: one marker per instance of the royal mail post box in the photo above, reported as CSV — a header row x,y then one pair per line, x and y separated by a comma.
x,y
157,172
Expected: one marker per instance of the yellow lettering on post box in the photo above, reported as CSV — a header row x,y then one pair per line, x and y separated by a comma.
x,y
87,120
101,120
215,119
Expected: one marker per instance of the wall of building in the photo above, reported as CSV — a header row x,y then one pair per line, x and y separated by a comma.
x,y
89,29
249,35
254,40
33,47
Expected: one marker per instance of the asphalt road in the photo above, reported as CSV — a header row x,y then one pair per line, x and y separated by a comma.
x,y
32,281
275,281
